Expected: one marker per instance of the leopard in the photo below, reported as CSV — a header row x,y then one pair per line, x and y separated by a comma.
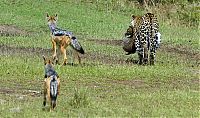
x,y
147,37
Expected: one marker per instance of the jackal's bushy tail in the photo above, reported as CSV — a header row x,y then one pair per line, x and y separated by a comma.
x,y
76,45
53,90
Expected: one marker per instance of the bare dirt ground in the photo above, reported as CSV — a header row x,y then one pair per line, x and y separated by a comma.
x,y
8,50
181,51
92,56
107,42
10,30
21,92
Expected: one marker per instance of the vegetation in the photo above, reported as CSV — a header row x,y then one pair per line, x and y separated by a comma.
x,y
104,85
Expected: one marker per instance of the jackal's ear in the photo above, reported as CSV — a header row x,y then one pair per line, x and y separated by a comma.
x,y
44,58
56,16
47,15
133,16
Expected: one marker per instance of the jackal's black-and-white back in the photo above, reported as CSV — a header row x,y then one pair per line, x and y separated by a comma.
x,y
49,70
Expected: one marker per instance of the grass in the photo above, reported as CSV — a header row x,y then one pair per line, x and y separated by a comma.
x,y
96,89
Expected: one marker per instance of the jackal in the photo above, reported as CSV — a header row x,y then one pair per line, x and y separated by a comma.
x,y
63,39
51,84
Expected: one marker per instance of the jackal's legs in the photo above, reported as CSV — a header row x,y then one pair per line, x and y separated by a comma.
x,y
54,51
45,93
63,51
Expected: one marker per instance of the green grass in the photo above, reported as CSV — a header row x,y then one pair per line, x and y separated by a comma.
x,y
162,91
96,89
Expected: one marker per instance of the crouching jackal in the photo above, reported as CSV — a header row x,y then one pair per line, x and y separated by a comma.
x,y
51,84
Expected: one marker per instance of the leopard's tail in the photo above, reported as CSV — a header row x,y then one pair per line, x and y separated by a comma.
x,y
154,25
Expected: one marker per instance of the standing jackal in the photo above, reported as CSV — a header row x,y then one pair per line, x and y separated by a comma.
x,y
51,84
63,39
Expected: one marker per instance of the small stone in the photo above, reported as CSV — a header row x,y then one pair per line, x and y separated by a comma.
x,y
2,101
15,110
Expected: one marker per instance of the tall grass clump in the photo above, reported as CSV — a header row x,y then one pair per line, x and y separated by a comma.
x,y
186,12
189,14
182,12
80,98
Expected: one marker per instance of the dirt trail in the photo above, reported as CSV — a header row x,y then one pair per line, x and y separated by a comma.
x,y
9,50
183,52
92,56
10,30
